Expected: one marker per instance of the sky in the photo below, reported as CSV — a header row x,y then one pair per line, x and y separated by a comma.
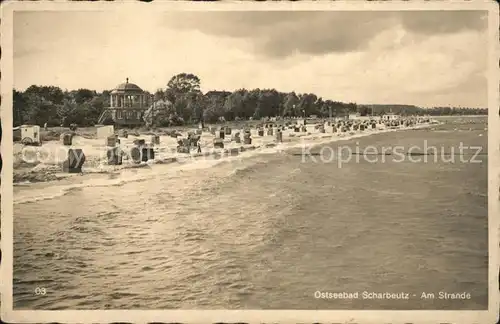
x,y
426,58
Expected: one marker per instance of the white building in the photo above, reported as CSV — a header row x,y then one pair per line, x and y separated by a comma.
x,y
390,116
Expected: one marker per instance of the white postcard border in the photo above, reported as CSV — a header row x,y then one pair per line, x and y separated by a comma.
x,y
249,316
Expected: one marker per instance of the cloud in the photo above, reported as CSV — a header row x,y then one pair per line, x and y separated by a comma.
x,y
444,22
278,34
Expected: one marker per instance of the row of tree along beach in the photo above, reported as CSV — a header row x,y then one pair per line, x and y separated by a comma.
x,y
183,103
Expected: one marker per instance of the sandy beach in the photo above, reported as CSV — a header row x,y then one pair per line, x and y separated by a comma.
x,y
43,164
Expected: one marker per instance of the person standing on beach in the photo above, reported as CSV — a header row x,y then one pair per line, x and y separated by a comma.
x,y
199,147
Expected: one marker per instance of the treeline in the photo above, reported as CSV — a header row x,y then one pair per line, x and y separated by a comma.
x,y
434,111
182,102
38,105
451,111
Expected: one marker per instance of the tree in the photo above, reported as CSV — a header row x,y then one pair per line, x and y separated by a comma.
x,y
66,110
257,114
160,95
306,104
195,105
180,85
269,103
233,105
158,113
49,94
250,102
19,106
328,109
180,107
83,95
291,101
214,105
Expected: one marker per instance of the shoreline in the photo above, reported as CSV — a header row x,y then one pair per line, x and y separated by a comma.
x,y
47,175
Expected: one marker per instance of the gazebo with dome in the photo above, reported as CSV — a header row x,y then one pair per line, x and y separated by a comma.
x,y
127,104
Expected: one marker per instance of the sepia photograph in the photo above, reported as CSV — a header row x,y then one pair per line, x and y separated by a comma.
x,y
250,157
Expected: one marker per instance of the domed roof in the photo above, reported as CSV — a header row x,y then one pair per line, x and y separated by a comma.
x,y
127,87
